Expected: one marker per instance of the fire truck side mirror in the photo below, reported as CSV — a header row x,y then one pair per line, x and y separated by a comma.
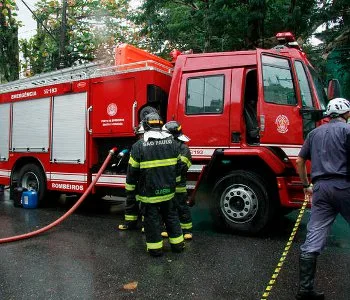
x,y
333,90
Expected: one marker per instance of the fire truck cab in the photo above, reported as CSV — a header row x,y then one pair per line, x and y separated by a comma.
x,y
247,114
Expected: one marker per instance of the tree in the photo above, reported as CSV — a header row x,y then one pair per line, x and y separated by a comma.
x,y
221,25
9,62
332,21
91,30
255,20
204,26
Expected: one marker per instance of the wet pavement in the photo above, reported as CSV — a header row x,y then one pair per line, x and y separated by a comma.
x,y
86,257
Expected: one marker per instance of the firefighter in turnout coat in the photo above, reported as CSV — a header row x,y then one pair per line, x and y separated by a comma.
x,y
184,212
153,172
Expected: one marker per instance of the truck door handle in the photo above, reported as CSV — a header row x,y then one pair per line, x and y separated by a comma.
x,y
88,119
134,107
262,123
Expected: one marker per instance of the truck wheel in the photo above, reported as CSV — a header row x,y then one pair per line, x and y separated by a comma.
x,y
147,110
240,203
32,177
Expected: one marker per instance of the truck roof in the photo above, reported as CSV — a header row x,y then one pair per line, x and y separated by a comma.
x,y
217,60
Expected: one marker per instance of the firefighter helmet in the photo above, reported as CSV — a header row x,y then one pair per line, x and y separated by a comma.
x,y
337,106
152,121
175,129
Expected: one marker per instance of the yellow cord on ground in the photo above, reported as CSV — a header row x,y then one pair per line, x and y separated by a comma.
x,y
285,251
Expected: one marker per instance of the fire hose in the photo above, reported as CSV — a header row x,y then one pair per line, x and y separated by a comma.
x,y
285,251
69,212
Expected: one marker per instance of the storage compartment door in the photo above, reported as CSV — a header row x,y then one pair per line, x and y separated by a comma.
x,y
113,110
5,131
30,125
69,129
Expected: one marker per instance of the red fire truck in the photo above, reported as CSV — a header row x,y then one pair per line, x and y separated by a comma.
x,y
247,114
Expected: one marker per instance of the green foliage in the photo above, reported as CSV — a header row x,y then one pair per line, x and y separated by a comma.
x,y
221,25
203,26
295,16
9,65
91,30
334,16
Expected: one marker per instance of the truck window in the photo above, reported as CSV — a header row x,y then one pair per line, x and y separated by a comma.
x,y
205,95
278,81
321,94
306,97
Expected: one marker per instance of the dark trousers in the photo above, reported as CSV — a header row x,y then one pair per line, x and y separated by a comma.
x,y
184,212
132,209
153,214
329,198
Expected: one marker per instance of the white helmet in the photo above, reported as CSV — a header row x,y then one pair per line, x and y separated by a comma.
x,y
338,106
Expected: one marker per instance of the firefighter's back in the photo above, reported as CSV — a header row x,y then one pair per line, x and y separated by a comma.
x,y
158,160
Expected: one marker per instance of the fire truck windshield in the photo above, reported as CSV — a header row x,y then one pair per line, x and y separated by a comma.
x,y
321,94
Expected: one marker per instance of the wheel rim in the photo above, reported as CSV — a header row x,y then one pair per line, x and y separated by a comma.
x,y
239,203
30,181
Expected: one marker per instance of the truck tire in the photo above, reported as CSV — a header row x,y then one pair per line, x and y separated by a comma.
x,y
240,203
147,110
31,176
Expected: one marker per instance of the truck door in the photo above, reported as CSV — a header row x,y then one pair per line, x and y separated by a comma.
x,y
203,110
278,109
112,106
307,101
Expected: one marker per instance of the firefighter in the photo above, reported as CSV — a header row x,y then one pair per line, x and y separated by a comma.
x,y
132,207
328,148
181,192
154,167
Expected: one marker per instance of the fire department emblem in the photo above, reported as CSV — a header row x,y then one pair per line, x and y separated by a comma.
x,y
282,123
112,109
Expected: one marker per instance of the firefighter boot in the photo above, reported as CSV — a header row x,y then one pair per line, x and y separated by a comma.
x,y
164,232
307,270
188,236
128,225
155,252
177,248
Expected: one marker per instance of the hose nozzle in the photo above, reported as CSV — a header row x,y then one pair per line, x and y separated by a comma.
x,y
113,150
122,153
